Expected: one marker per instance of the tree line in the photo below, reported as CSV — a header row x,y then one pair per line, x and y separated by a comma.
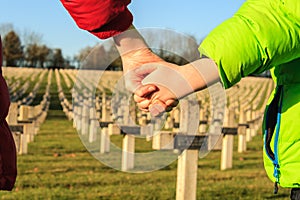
x,y
31,52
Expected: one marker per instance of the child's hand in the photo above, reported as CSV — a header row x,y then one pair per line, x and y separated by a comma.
x,y
133,80
174,82
170,86
148,100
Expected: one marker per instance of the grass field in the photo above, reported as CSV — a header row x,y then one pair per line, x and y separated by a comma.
x,y
59,167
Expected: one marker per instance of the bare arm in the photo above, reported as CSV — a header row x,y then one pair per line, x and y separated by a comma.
x,y
133,49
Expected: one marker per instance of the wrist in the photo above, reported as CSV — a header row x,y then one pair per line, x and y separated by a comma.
x,y
129,40
137,58
200,73
170,81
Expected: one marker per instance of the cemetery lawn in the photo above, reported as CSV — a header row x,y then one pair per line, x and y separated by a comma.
x,y
58,166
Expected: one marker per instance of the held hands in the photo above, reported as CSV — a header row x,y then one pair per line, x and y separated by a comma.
x,y
163,98
148,93
158,85
171,86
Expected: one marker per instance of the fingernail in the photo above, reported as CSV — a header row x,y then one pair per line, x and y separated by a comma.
x,y
156,110
151,88
153,111
159,108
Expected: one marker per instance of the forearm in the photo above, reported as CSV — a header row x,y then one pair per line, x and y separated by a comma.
x,y
133,49
200,73
176,82
129,41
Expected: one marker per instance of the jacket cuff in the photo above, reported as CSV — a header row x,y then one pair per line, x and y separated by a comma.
x,y
116,26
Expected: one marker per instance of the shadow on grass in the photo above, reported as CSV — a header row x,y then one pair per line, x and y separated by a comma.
x,y
56,115
278,196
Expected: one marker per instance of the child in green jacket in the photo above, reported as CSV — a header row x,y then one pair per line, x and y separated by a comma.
x,y
262,35
265,34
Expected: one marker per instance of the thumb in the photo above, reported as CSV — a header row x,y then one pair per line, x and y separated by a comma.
x,y
134,77
145,69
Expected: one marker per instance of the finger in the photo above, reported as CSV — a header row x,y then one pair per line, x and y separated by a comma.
x,y
145,110
139,99
146,90
144,104
145,69
133,78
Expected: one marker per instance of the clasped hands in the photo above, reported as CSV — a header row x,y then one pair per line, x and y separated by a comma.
x,y
157,85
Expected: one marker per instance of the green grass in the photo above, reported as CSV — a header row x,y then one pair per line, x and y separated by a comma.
x,y
58,167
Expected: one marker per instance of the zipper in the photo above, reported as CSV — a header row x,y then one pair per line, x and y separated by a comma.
x,y
276,161
269,129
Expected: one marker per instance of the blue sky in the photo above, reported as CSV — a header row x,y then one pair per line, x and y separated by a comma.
x,y
50,19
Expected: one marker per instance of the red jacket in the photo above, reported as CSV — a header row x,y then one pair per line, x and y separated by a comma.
x,y
103,18
8,159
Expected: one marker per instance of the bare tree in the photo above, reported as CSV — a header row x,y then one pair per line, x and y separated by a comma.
x,y
36,55
31,55
100,57
83,53
172,46
30,37
43,52
58,59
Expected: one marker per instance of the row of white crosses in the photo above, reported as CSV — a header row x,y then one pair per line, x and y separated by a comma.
x,y
65,103
90,115
66,77
18,91
81,110
84,115
157,140
251,118
25,120
238,119
184,141
20,80
249,107
245,117
187,162
32,94
247,100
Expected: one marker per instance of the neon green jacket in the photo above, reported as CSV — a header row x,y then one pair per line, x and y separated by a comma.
x,y
265,34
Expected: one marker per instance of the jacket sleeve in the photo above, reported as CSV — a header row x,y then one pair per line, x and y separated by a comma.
x,y
103,18
260,35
